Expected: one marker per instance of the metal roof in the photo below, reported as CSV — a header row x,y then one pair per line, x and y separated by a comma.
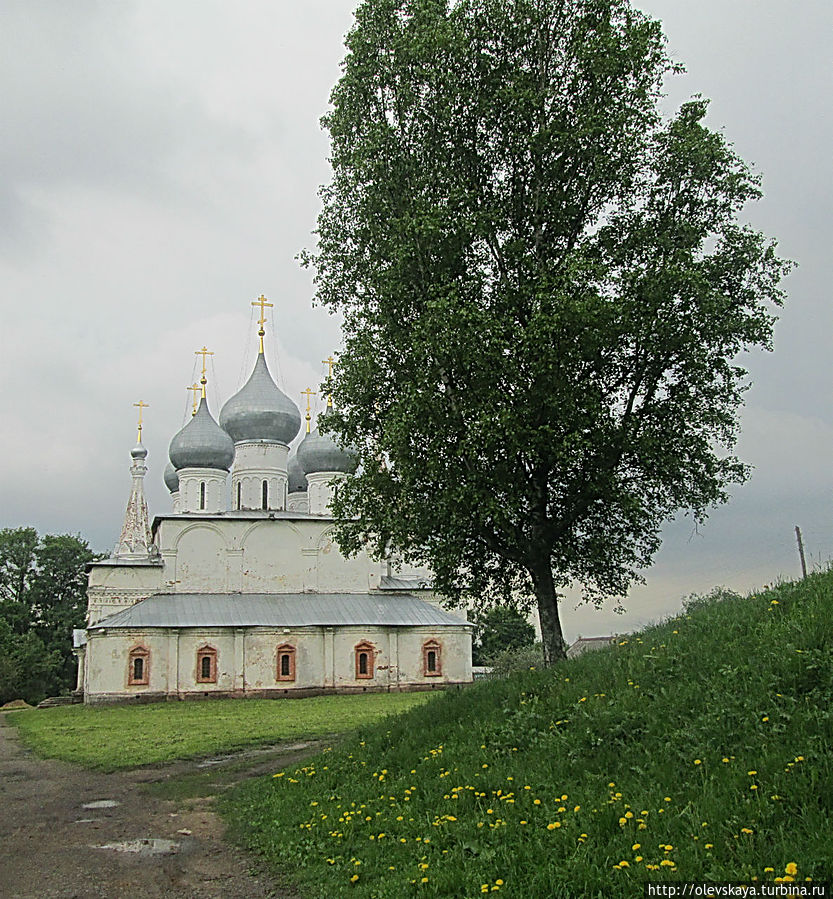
x,y
387,582
280,610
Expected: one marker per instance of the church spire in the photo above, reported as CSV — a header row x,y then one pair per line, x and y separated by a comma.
x,y
261,332
135,541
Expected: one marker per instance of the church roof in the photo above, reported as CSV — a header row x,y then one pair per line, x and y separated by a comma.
x,y
177,610
260,410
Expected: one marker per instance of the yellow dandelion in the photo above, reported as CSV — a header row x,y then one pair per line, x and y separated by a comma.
x,y
751,773
769,870
709,845
354,878
698,762
638,858
624,864
791,869
554,825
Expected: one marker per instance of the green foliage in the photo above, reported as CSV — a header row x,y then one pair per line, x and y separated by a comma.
x,y
498,630
124,736
510,661
545,289
698,749
42,598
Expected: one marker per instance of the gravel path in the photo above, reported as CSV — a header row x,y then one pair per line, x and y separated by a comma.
x,y
72,833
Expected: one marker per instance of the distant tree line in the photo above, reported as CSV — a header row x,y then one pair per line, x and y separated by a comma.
x,y
42,598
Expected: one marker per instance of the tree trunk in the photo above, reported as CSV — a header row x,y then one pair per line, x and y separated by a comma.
x,y
547,598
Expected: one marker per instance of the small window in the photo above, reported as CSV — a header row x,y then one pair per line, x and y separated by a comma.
x,y
264,495
202,495
138,667
239,493
431,659
365,660
286,662
207,665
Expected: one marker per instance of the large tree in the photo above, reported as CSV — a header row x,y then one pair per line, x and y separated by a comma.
x,y
545,289
42,598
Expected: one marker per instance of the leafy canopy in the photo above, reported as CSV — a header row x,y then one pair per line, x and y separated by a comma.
x,y
545,290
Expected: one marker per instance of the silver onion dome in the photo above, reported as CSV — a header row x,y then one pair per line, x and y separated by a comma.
x,y
319,452
171,478
260,410
297,478
139,452
202,443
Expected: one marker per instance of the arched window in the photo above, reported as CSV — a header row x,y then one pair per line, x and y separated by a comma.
x,y
239,492
286,662
431,659
264,495
202,494
138,667
206,665
365,660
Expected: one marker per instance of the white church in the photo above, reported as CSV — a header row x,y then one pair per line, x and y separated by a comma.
x,y
240,590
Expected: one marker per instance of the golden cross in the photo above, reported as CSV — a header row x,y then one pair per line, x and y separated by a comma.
x,y
196,388
330,362
261,301
203,352
308,394
142,405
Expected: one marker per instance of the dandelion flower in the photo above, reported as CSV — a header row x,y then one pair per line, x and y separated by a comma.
x,y
791,869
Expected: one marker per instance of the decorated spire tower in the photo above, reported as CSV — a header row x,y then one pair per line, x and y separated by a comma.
x,y
135,541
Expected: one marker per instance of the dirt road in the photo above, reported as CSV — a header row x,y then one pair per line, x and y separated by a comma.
x,y
76,834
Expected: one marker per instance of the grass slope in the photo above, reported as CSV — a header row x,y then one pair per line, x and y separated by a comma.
x,y
113,737
701,748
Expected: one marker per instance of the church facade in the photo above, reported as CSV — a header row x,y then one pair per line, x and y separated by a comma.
x,y
241,590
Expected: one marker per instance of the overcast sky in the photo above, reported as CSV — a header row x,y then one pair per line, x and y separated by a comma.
x,y
159,167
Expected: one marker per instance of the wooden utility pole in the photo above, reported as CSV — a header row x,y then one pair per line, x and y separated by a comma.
x,y
801,551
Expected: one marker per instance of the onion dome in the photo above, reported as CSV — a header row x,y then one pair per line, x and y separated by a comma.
x,y
171,478
139,452
202,443
297,478
260,410
319,452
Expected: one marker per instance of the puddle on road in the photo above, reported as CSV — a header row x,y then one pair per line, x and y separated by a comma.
x,y
101,803
143,848
281,749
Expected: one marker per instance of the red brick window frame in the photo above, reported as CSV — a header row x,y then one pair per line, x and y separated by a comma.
x,y
286,662
432,665
365,661
206,665
138,666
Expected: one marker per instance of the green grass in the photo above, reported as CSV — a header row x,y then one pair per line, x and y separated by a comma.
x,y
701,748
113,737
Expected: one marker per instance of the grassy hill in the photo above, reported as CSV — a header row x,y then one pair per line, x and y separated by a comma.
x,y
698,749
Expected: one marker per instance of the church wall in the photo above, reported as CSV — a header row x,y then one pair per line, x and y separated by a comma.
x,y
262,658
259,555
247,660
107,664
272,561
112,588
200,561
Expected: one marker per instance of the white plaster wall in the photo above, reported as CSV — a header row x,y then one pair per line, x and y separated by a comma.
x,y
247,659
189,489
298,501
321,485
272,561
107,663
221,639
258,555
255,463
200,563
112,588
262,658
